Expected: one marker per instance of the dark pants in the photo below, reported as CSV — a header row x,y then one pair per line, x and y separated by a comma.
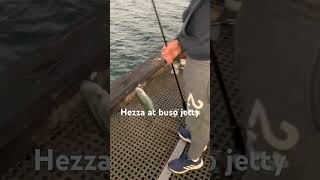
x,y
278,61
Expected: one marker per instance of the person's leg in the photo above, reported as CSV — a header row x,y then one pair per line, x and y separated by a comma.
x,y
197,84
276,58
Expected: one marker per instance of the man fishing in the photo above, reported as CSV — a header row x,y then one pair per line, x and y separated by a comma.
x,y
194,41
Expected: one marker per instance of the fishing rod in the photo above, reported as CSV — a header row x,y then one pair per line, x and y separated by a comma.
x,y
165,43
225,96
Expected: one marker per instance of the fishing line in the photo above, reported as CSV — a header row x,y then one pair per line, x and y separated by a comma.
x,y
165,42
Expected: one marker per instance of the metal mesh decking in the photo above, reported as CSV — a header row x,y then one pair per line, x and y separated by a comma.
x,y
223,135
76,134
141,148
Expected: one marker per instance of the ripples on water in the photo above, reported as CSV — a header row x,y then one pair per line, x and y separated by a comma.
x,y
26,25
134,31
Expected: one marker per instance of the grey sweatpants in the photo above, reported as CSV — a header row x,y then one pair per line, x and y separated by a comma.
x,y
197,85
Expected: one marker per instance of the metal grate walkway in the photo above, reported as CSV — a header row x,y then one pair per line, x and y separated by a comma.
x,y
76,134
141,148
223,128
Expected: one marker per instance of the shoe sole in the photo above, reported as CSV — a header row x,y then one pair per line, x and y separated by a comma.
x,y
189,141
189,168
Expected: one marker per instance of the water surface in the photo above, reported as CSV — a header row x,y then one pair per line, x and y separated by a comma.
x,y
134,31
26,25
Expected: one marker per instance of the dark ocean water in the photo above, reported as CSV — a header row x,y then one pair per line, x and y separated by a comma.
x,y
29,24
134,32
